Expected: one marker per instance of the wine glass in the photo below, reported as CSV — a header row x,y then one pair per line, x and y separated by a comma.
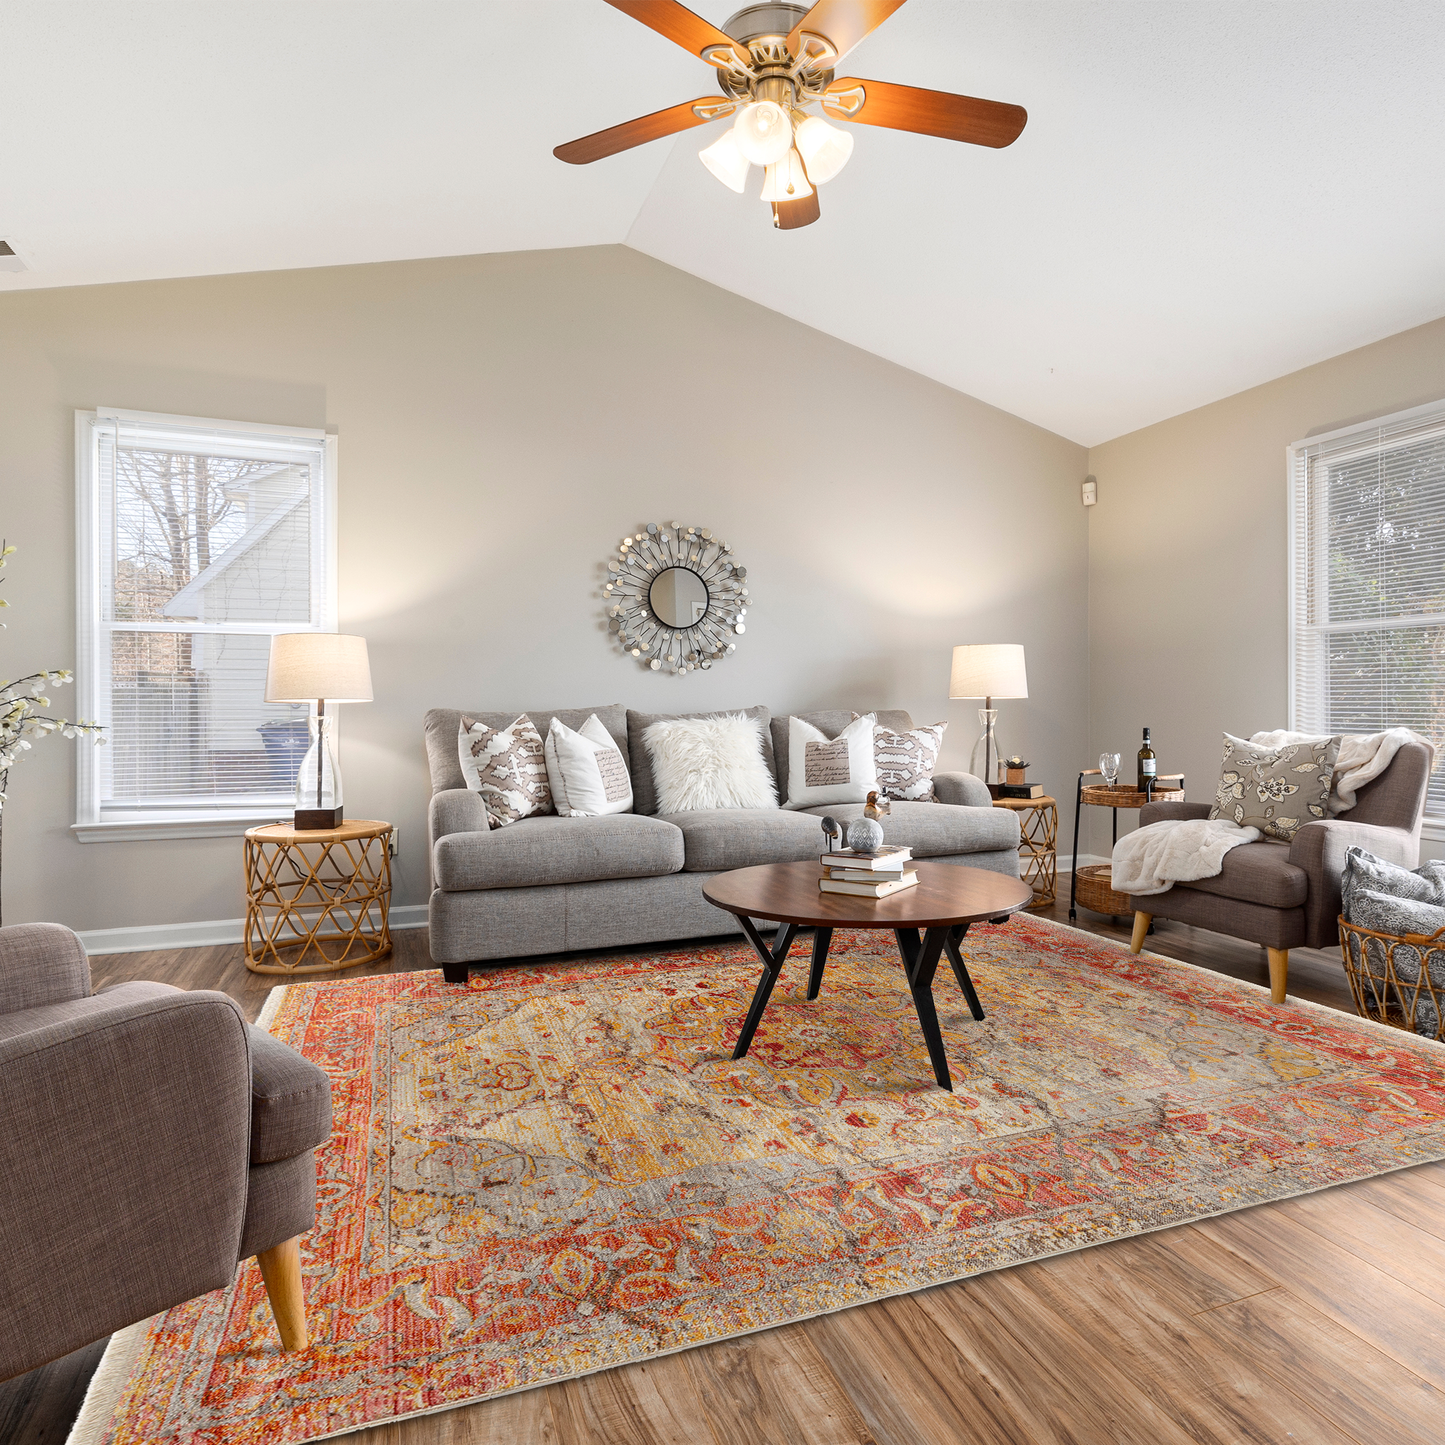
x,y
1109,766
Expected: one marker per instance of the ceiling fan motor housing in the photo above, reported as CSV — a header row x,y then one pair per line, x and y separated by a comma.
x,y
776,74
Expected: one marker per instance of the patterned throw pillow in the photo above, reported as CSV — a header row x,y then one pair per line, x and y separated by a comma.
x,y
906,761
1365,872
1277,790
830,770
508,767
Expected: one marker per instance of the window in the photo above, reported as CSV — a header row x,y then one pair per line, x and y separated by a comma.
x,y
198,540
1367,582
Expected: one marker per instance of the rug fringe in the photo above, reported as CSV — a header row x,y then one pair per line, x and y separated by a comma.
x,y
97,1411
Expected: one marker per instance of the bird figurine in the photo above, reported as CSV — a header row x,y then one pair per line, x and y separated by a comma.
x,y
865,834
831,830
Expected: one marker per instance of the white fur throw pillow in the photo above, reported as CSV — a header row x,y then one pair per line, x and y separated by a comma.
x,y
507,767
830,770
709,762
586,770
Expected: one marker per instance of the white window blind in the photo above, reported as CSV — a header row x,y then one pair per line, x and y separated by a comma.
x,y
1367,575
199,541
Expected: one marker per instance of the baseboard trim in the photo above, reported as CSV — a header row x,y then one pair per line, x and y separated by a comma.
x,y
207,934
1066,865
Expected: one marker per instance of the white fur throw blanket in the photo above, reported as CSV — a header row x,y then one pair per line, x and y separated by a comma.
x,y
1178,850
1363,756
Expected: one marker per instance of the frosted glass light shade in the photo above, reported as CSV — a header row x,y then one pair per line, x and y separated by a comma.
x,y
825,149
988,669
786,181
727,162
307,666
763,131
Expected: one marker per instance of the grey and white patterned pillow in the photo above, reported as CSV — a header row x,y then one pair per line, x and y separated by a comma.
x,y
906,761
1277,790
1390,913
508,767
1363,870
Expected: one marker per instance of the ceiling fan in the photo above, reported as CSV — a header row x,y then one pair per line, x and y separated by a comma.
x,y
773,62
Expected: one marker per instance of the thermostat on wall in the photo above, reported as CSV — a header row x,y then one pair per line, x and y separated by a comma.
x,y
1091,491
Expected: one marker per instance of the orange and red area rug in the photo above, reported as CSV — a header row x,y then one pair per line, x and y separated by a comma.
x,y
559,1168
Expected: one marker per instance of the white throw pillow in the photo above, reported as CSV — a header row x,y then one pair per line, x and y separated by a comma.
x,y
709,762
507,766
587,771
836,770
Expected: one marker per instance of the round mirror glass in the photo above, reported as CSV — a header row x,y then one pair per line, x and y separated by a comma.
x,y
678,597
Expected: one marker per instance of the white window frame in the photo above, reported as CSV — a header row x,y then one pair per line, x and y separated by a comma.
x,y
93,696
1430,417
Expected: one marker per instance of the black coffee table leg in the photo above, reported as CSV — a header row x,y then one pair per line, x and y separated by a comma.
x,y
920,962
822,938
772,966
952,939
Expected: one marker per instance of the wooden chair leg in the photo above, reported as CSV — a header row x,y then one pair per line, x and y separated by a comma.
x,y
281,1270
1278,973
1141,929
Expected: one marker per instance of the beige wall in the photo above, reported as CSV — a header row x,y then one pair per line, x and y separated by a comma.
x,y
1188,596
503,422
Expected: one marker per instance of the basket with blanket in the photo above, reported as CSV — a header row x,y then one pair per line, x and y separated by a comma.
x,y
1392,941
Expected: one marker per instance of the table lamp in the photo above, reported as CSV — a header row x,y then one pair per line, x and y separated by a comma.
x,y
988,670
318,667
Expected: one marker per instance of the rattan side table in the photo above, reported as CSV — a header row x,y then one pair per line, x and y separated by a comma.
x,y
1038,844
317,899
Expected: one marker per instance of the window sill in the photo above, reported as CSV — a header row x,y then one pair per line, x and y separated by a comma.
x,y
1432,830
155,830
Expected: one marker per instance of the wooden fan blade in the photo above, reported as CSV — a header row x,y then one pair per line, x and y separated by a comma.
x,y
789,215
842,23
683,28
645,128
928,112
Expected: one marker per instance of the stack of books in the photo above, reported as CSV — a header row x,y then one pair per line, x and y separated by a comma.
x,y
867,875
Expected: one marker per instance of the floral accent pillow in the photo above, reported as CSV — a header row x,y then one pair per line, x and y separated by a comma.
x,y
906,761
1277,790
508,767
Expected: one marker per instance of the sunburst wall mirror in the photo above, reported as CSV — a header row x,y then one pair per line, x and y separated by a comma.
x,y
676,597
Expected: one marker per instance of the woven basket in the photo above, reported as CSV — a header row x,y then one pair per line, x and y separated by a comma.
x,y
1126,795
1093,887
1396,979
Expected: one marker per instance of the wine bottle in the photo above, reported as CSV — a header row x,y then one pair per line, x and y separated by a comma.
x,y
1148,768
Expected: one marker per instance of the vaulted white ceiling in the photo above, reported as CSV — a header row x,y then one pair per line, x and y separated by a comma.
x,y
1206,195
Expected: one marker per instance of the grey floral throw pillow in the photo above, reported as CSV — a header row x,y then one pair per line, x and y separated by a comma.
x,y
1277,790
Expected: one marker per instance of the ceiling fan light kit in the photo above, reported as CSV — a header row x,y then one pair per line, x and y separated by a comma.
x,y
773,61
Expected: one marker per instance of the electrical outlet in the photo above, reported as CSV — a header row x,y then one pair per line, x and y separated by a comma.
x,y
1091,492
393,843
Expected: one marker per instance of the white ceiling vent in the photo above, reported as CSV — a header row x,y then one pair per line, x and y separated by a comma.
x,y
9,260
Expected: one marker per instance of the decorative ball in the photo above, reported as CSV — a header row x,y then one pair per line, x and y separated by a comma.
x,y
865,835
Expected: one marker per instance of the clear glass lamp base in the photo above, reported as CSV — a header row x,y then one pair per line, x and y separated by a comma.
x,y
986,760
318,782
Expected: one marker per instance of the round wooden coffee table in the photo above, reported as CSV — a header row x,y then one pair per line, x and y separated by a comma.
x,y
947,899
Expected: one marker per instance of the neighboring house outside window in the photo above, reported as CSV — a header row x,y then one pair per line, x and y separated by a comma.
x,y
198,540
1367,583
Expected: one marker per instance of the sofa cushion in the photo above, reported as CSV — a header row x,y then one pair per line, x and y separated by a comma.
x,y
830,722
934,830
550,849
722,838
290,1101
1257,873
644,789
444,723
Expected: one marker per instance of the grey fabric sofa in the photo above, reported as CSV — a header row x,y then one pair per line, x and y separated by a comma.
x,y
151,1141
555,885
1287,895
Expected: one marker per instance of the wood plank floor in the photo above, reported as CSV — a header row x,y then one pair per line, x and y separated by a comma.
x,y
1319,1319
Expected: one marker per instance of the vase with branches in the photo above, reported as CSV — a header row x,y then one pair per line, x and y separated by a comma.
x,y
21,722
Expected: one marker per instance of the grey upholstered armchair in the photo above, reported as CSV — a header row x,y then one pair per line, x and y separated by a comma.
x,y
1287,895
149,1141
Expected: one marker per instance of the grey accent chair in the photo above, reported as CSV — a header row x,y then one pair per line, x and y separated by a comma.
x,y
1287,895
151,1140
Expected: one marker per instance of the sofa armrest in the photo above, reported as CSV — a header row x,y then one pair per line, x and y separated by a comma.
x,y
41,963
456,810
962,790
123,1165
1164,812
1319,848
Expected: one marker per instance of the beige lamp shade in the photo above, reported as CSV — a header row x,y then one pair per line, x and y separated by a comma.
x,y
988,669
309,666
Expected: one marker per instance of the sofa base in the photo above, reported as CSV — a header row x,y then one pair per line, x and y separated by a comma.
x,y
489,925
